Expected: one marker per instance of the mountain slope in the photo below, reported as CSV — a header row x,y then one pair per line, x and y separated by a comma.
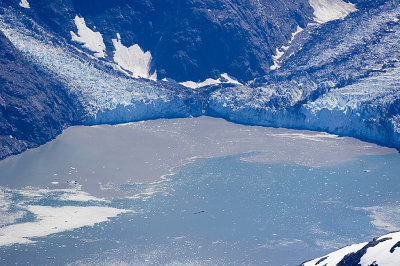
x,y
33,110
188,40
342,77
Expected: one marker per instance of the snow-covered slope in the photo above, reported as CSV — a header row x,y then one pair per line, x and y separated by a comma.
x,y
327,10
384,250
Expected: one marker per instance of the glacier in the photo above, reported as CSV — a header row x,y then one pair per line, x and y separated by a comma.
x,y
346,84
105,96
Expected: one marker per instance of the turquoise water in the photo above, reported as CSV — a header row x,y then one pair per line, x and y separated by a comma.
x,y
225,210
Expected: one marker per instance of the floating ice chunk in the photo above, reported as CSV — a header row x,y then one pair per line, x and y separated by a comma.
x,y
327,10
50,220
90,39
133,59
224,78
24,4
7,216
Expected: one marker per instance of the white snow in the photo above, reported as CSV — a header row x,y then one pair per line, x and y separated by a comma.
x,y
89,39
50,220
133,60
327,10
377,255
298,30
24,4
335,257
224,78
275,58
380,254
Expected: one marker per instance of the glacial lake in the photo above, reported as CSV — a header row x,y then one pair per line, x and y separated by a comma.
x,y
194,191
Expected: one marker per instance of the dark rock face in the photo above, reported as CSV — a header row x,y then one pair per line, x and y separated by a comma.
x,y
189,40
33,110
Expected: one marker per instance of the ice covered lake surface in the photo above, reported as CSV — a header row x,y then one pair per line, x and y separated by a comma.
x,y
197,191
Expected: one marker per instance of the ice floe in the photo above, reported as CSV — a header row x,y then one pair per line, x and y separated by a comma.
x,y
50,220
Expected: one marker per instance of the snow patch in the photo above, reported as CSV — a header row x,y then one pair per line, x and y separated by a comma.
x,y
298,30
50,220
281,51
275,58
381,254
24,4
223,79
89,39
327,10
133,60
